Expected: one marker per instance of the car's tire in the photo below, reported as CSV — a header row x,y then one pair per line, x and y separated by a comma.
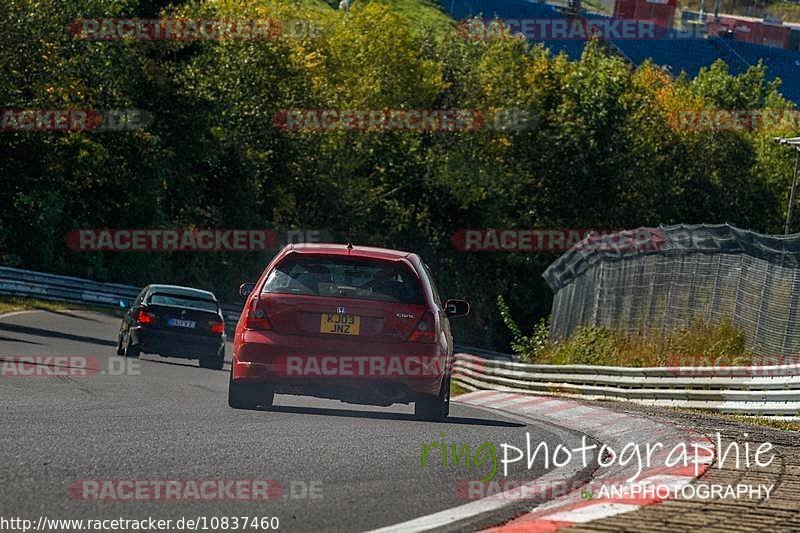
x,y
120,349
214,362
248,395
434,408
131,350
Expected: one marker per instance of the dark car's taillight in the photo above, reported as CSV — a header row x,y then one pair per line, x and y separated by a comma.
x,y
256,316
425,330
217,327
143,317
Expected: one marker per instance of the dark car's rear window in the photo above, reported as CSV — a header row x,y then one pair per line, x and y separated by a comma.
x,y
175,300
345,278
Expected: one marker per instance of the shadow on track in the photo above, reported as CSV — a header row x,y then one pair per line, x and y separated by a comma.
x,y
73,314
12,339
325,411
39,332
179,361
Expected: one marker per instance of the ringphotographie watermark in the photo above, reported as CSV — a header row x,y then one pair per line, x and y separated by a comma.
x,y
654,488
557,240
637,458
404,120
74,120
192,29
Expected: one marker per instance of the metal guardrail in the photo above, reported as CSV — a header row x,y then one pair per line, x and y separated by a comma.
x,y
63,288
772,391
488,354
758,391
18,282
28,283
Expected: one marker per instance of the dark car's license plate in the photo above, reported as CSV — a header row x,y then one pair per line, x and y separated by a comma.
x,y
180,323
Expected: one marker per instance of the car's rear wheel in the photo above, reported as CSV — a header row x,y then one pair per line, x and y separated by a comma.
x,y
434,408
120,349
214,362
131,350
248,395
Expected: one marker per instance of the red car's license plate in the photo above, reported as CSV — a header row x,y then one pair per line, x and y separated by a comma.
x,y
340,324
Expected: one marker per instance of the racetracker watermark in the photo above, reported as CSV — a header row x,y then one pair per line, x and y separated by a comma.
x,y
360,366
74,366
66,120
777,120
195,523
732,366
175,489
187,29
404,120
189,239
553,240
569,28
194,489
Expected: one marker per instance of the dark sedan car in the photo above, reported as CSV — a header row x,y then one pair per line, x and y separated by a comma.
x,y
174,321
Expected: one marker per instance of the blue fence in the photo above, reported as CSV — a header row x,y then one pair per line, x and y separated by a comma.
x,y
678,54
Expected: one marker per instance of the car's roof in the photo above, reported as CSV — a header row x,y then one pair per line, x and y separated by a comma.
x,y
367,252
180,290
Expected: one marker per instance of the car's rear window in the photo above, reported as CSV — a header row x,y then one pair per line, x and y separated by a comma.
x,y
345,278
175,300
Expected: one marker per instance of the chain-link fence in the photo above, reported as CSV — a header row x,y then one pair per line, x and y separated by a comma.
x,y
673,276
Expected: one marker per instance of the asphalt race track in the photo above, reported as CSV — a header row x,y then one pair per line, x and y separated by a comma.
x,y
168,419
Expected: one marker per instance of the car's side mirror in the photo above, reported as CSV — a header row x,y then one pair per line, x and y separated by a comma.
x,y
456,308
245,289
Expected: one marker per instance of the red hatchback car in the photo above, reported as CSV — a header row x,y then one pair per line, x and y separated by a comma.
x,y
362,325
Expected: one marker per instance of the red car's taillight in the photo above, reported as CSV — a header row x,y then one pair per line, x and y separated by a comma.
x,y
217,327
425,330
143,317
256,317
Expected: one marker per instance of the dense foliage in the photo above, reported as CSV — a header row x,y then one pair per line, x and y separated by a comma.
x,y
602,153
700,344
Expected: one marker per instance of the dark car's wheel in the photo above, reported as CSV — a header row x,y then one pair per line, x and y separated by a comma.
x,y
434,408
248,395
214,362
120,349
131,350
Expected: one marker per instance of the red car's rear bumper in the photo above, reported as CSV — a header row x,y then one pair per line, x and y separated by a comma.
x,y
346,368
